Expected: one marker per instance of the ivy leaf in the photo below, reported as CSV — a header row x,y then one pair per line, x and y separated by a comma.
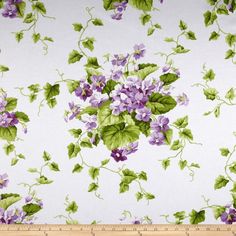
x,y
8,200
77,168
145,18
197,217
229,54
222,10
19,36
74,56
176,145
168,78
92,187
104,162
48,39
109,4
11,104
119,135
44,180
218,211
232,168
73,150
169,40
77,27
31,208
209,18
180,49
230,39
92,62
46,156
231,94
214,36
93,172
85,142
88,43
209,75
168,136
52,102
39,6
72,207
97,22
224,152
128,176
165,163
190,35
34,88
145,5
149,196
182,164
124,187
20,8
181,122
3,68
29,18
36,37
210,93
142,176
150,31
8,148
182,25
186,134
160,104
139,196
8,133
51,91
75,132
54,166
220,182
72,85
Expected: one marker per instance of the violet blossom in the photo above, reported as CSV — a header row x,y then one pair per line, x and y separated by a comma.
x,y
11,216
161,124
143,114
8,119
84,91
4,181
229,216
98,82
10,11
119,60
157,138
90,121
183,99
120,7
139,51
118,155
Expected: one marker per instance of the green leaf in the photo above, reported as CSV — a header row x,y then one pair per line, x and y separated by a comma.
x,y
231,94
186,134
143,126
180,49
142,175
109,4
197,217
21,156
32,170
212,2
39,6
44,180
52,102
3,68
105,116
92,187
150,31
85,142
168,78
230,39
145,5
51,91
214,36
97,22
190,35
8,200
92,62
217,111
168,136
218,211
73,150
119,135
21,116
139,196
88,43
182,25
176,145
31,208
34,88
209,75
93,172
74,56
160,104
14,161
209,18
72,85
224,152
77,168
77,27
165,163
54,166
110,86
46,156
169,40
179,216
19,36
124,187
182,164
11,104
36,37
48,39
210,93
234,188
229,54
20,8
222,10
8,148
181,122
195,165
104,162
232,168
72,207
149,196
144,70
145,18
220,182
32,97
128,176
29,18
75,132
8,133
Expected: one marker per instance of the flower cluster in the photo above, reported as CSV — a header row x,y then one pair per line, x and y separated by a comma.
x,y
15,216
120,7
10,8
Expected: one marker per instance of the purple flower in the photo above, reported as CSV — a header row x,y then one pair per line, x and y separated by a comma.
x,y
90,121
157,138
98,82
84,91
14,1
97,100
143,114
165,68
139,51
161,124
3,103
161,1
117,16
120,6
118,155
183,99
136,222
131,148
8,119
116,75
229,216
4,181
10,11
75,110
11,216
28,199
119,60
